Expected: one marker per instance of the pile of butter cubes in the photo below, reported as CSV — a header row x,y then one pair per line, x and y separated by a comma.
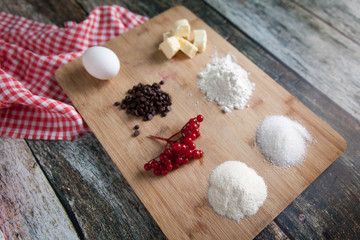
x,y
180,38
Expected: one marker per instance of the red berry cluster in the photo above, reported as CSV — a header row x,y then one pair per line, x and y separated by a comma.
x,y
179,149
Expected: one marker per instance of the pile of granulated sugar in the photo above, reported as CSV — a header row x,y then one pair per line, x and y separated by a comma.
x,y
226,83
236,190
282,141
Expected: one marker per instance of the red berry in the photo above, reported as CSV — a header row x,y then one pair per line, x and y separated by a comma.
x,y
168,152
193,126
200,118
185,161
191,146
184,147
196,133
157,172
197,154
163,157
169,167
162,167
176,166
188,133
176,147
193,120
154,164
193,136
188,153
167,162
147,166
179,160
164,172
187,140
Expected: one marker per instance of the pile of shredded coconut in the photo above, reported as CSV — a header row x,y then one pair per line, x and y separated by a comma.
x,y
226,83
236,190
282,141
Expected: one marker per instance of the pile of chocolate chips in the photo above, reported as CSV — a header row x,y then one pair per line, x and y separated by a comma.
x,y
146,101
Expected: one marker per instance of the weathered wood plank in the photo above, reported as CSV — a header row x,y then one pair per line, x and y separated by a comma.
x,y
341,15
88,182
330,214
322,55
29,208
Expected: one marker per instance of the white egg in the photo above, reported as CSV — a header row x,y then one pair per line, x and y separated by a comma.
x,y
101,62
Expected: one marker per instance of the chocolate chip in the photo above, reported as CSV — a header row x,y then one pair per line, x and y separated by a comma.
x,y
146,101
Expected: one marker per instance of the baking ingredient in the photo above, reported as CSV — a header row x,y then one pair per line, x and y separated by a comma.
x,y
101,62
181,28
236,190
186,47
179,39
167,35
146,101
136,132
200,39
179,148
226,83
170,46
282,140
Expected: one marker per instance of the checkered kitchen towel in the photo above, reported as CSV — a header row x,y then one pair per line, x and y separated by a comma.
x,y
32,104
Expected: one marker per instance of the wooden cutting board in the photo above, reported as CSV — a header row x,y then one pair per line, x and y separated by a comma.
x,y
178,201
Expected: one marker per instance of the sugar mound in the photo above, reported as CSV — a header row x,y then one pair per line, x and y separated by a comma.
x,y
226,83
282,141
236,190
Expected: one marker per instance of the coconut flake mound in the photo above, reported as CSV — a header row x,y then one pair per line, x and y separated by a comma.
x,y
236,190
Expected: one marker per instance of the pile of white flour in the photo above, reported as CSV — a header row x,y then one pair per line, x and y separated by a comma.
x,y
236,190
226,83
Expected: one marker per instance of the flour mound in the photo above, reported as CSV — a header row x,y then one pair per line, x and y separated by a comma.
x,y
236,190
282,141
226,83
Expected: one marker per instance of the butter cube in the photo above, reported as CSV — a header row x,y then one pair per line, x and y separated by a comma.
x,y
188,48
170,46
200,39
181,28
166,35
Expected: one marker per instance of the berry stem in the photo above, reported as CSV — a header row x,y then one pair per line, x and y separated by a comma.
x,y
159,138
173,135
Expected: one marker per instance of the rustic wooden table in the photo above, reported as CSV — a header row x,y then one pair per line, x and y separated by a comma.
x,y
72,189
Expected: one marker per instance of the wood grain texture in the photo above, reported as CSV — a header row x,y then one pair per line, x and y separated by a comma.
x,y
91,188
29,208
77,201
325,57
178,213
340,15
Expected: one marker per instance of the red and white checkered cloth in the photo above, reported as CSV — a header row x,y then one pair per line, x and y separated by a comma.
x,y
32,104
